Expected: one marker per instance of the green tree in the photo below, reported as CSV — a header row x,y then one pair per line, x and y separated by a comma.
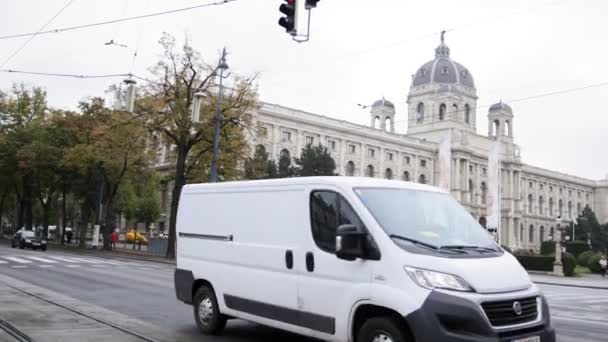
x,y
315,161
148,208
285,169
588,225
165,109
271,169
257,167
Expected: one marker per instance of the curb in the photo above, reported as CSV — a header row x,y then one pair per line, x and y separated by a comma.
x,y
573,285
114,254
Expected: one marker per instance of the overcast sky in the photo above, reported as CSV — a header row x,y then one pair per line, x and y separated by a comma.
x,y
359,52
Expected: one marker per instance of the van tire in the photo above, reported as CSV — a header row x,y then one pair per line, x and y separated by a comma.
x,y
382,329
205,303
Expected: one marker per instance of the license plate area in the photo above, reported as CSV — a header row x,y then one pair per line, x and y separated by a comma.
x,y
528,339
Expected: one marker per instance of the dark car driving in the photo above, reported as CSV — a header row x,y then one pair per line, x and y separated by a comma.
x,y
28,238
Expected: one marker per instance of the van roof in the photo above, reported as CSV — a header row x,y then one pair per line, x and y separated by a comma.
x,y
346,182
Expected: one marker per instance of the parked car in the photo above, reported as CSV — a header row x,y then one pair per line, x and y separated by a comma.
x,y
350,259
28,238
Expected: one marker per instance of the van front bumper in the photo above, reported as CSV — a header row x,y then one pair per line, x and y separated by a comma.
x,y
445,317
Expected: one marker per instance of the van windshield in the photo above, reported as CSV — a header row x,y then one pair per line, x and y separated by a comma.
x,y
428,219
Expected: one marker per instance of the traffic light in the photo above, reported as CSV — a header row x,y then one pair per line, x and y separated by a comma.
x,y
289,9
311,4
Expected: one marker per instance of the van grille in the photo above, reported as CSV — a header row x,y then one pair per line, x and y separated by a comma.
x,y
503,313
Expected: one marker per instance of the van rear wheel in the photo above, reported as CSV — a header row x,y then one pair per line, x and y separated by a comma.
x,y
207,313
382,329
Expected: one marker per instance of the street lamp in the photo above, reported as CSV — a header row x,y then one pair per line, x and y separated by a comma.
x,y
222,66
557,264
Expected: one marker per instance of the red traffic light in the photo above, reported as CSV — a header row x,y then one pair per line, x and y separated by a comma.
x,y
288,22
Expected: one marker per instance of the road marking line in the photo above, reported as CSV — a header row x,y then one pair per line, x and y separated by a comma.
x,y
64,259
18,260
72,266
3,262
18,266
46,266
41,259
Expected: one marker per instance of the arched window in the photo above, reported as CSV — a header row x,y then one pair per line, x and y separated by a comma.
x,y
521,233
442,109
484,193
467,113
422,179
496,128
420,112
560,208
508,128
377,122
369,171
542,233
531,234
530,204
454,111
550,206
388,174
260,149
570,209
406,176
387,124
471,190
285,153
350,168
541,203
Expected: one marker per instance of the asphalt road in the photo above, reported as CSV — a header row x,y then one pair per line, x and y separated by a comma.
x,y
144,290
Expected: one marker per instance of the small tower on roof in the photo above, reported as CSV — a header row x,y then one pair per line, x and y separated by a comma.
x,y
383,115
500,121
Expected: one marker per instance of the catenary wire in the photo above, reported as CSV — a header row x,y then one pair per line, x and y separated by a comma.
x,y
114,21
33,35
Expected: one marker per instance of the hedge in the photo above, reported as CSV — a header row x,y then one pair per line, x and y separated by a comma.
x,y
594,263
576,248
547,247
536,262
569,264
583,258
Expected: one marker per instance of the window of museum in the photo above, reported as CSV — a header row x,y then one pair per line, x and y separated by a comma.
x,y
352,149
263,132
422,163
310,140
332,145
371,153
286,136
407,160
389,156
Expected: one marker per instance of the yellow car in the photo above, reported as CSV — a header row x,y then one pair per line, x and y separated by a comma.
x,y
132,234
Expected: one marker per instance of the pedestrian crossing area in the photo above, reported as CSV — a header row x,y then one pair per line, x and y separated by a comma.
x,y
55,261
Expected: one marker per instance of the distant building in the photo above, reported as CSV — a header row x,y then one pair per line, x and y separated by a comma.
x,y
442,147
442,104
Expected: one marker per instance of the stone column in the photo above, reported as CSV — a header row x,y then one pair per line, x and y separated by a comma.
x,y
558,269
362,155
381,157
276,141
341,145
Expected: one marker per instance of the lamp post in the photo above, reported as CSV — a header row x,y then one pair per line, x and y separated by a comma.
x,y
557,264
222,66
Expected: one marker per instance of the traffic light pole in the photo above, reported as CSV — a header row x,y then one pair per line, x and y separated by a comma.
x,y
295,38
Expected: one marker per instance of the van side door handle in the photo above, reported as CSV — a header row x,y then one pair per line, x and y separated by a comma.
x,y
289,259
310,262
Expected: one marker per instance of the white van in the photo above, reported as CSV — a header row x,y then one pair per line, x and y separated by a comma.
x,y
350,259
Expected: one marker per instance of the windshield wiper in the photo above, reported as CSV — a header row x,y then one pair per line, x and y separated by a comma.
x,y
414,241
467,247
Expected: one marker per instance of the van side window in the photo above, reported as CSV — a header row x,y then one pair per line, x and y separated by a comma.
x,y
328,211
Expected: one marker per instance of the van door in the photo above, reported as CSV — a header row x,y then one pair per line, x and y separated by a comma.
x,y
328,287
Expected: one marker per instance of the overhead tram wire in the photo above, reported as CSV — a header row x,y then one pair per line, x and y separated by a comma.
x,y
114,21
33,35
81,76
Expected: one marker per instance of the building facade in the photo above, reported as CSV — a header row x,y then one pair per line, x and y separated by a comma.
x,y
442,147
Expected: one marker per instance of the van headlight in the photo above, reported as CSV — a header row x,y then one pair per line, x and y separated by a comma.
x,y
437,280
28,240
43,242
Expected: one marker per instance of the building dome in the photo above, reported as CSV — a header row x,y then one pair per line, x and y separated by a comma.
x,y
443,70
500,106
383,103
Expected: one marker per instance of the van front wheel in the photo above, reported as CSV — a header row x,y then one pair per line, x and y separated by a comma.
x,y
207,313
381,329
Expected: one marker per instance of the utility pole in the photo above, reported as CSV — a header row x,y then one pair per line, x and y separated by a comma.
x,y
222,66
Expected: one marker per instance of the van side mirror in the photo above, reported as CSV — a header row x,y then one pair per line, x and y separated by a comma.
x,y
350,241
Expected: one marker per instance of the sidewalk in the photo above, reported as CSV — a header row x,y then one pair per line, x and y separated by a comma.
x,y
117,252
591,281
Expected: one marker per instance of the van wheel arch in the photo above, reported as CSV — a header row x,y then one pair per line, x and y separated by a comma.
x,y
198,283
367,311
